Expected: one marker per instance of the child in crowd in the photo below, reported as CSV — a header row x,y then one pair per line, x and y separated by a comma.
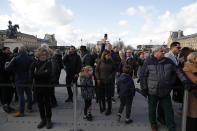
x,y
126,89
87,79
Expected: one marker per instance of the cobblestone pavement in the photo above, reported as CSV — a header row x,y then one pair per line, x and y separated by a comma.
x,y
63,116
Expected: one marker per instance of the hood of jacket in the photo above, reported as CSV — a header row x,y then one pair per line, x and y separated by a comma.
x,y
22,53
124,77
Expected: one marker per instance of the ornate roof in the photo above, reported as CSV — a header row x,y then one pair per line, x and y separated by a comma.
x,y
188,36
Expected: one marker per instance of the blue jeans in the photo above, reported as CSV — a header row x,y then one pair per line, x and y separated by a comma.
x,y
28,91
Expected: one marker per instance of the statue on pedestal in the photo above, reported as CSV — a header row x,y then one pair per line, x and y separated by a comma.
x,y
12,30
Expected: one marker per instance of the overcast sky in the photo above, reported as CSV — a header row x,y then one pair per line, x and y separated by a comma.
x,y
133,21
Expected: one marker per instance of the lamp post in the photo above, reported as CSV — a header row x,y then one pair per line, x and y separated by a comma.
x,y
81,41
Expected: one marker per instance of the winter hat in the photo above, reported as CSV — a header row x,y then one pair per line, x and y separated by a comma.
x,y
83,48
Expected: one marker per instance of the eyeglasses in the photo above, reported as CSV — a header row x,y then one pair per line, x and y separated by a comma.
x,y
178,47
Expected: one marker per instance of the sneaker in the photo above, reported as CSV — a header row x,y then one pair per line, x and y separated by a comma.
x,y
18,114
6,109
28,110
69,100
49,124
154,127
128,121
85,117
89,117
41,124
118,117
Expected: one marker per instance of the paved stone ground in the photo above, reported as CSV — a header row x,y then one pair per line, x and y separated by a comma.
x,y
63,116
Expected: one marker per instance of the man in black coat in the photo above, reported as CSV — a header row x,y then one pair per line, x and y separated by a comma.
x,y
6,91
72,63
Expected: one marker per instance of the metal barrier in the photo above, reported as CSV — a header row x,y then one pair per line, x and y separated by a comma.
x,y
75,109
184,114
75,86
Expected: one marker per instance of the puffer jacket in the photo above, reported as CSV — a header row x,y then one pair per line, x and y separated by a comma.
x,y
87,92
158,76
125,85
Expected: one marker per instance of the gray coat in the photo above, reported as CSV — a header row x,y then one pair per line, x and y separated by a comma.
x,y
171,56
158,76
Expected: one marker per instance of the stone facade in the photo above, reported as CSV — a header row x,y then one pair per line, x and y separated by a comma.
x,y
31,42
185,41
148,47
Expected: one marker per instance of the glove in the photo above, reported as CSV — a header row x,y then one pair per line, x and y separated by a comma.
x,y
188,87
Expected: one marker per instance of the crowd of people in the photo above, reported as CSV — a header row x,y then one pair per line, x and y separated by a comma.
x,y
159,72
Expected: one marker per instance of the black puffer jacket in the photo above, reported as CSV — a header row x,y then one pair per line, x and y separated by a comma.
x,y
158,76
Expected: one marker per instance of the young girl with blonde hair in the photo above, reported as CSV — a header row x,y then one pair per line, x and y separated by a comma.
x,y
87,79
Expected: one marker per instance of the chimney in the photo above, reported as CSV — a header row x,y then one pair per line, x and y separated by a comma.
x,y
174,34
180,33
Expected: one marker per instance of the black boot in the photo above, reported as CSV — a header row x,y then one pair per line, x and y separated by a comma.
x,y
127,121
108,112
49,124
69,100
89,117
41,124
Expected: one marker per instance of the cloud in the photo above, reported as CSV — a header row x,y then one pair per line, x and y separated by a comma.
x,y
42,13
157,28
123,23
40,17
131,11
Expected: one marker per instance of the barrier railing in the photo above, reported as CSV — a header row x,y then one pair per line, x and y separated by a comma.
x,y
75,86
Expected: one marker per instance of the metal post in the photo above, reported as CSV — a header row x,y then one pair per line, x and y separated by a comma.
x,y
75,108
184,116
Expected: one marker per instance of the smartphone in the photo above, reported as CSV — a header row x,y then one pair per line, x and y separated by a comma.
x,y
105,36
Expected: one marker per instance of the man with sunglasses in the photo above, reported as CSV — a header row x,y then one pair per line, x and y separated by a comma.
x,y
173,53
